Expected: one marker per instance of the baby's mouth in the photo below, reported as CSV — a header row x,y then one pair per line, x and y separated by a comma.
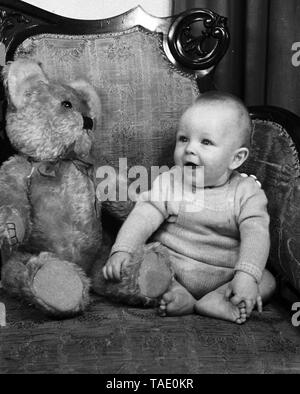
x,y
191,165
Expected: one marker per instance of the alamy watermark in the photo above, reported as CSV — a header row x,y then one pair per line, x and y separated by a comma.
x,y
177,184
296,315
296,56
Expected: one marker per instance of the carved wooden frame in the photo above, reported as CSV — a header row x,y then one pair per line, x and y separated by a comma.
x,y
19,20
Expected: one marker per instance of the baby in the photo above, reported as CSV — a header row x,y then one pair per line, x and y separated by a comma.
x,y
217,234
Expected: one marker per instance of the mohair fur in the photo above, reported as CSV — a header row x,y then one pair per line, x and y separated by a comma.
x,y
129,290
48,215
50,222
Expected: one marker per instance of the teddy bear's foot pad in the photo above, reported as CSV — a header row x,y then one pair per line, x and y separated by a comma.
x,y
154,277
58,286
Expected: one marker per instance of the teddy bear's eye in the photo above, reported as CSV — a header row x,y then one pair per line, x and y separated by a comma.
x,y
66,104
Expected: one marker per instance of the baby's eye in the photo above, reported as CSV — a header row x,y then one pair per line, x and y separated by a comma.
x,y
182,138
205,141
66,104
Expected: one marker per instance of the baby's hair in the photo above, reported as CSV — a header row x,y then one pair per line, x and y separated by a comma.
x,y
215,96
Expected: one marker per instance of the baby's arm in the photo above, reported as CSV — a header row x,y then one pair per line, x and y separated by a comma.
x,y
253,222
141,223
148,214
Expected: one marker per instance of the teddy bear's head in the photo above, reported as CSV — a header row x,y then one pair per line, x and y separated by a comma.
x,y
47,120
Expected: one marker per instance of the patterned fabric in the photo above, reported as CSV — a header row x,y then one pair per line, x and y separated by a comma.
x,y
142,94
275,161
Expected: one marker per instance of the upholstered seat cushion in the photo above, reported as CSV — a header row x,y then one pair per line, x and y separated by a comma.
x,y
275,161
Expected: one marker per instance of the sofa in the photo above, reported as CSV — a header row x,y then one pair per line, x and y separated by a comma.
x,y
147,70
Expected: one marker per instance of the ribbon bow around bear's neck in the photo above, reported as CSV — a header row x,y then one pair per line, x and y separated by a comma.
x,y
48,169
51,169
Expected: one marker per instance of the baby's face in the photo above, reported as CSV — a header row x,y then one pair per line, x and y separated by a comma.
x,y
208,136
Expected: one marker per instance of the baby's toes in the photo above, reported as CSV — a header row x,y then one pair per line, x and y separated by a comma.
x,y
162,309
242,309
241,320
166,299
243,313
243,316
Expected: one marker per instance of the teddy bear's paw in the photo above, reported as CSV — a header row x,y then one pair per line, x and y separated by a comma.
x,y
154,277
145,278
11,226
5,213
58,287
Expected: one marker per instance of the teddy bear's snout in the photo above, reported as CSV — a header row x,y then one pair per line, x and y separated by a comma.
x,y
87,123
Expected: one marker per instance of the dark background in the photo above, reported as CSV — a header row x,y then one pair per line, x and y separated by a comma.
x,y
258,66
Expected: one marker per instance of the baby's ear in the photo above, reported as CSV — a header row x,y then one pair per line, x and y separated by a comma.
x,y
19,77
240,156
89,94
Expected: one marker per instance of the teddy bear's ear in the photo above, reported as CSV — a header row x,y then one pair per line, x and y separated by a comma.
x,y
90,95
19,75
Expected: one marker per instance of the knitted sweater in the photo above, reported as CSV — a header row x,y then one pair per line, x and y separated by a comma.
x,y
225,226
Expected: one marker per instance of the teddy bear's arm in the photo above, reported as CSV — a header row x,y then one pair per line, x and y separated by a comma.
x,y
14,203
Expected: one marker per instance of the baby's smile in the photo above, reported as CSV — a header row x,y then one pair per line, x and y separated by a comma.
x,y
191,162
191,165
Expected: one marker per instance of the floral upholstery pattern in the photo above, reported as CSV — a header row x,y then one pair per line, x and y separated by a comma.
x,y
142,94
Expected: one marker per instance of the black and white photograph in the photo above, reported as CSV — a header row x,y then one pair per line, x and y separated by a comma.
x,y
149,190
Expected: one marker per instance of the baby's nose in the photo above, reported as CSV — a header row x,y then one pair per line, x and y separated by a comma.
x,y
190,148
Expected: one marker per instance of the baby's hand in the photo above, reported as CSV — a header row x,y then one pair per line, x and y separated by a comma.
x,y
112,269
243,288
251,176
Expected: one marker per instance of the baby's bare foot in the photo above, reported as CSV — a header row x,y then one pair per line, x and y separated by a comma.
x,y
176,302
215,305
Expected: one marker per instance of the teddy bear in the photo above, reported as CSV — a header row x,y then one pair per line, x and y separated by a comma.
x,y
51,235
